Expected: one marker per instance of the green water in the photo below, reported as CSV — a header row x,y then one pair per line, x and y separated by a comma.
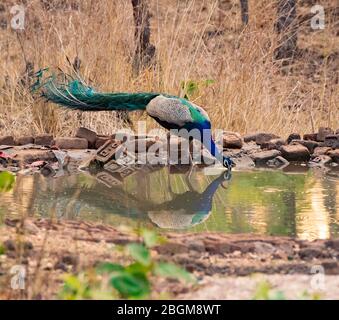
x,y
305,205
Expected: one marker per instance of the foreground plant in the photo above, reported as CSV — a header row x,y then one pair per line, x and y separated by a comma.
x,y
113,281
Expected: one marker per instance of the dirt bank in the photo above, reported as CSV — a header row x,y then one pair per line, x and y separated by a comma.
x,y
50,249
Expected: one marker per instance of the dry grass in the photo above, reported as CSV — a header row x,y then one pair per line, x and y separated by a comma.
x,y
250,92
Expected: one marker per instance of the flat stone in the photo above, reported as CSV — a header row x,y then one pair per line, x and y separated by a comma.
x,y
334,154
262,157
323,133
232,140
310,136
318,151
87,134
43,140
107,151
310,145
295,152
293,136
71,143
7,141
332,141
21,141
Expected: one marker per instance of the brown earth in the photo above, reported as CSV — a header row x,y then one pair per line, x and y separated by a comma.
x,y
49,249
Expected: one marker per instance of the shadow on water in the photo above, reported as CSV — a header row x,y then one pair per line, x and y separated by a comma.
x,y
302,204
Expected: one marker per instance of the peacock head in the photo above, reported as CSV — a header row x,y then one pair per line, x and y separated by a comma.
x,y
228,163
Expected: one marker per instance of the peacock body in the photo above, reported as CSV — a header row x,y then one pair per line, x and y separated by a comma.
x,y
169,111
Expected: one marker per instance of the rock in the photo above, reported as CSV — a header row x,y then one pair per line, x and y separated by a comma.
x,y
263,248
278,162
87,134
21,141
60,266
43,140
232,140
323,132
260,158
30,227
274,144
295,152
107,151
318,151
334,244
7,141
321,160
332,141
337,131
70,259
100,141
172,248
260,137
293,136
31,155
310,136
310,253
310,145
48,171
334,154
71,143
9,245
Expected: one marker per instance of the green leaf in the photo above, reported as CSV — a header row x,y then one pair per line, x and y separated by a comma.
x,y
2,250
131,285
109,267
140,253
170,270
150,237
6,181
137,268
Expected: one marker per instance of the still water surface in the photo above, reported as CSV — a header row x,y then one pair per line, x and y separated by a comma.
x,y
305,205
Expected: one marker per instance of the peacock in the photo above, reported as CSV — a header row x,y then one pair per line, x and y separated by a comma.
x,y
170,111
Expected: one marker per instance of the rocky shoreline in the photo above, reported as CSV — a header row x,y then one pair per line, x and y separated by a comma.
x,y
49,154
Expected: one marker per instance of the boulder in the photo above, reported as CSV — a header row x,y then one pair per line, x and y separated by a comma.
x,y
260,158
318,151
323,133
232,140
293,136
43,140
21,141
87,134
71,143
310,136
334,154
310,145
295,152
7,140
332,141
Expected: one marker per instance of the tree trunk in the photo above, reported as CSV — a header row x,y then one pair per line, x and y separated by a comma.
x,y
287,28
145,51
244,11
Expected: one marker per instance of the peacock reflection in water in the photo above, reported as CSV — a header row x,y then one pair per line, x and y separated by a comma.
x,y
134,193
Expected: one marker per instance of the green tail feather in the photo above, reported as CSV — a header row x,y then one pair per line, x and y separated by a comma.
x,y
75,94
